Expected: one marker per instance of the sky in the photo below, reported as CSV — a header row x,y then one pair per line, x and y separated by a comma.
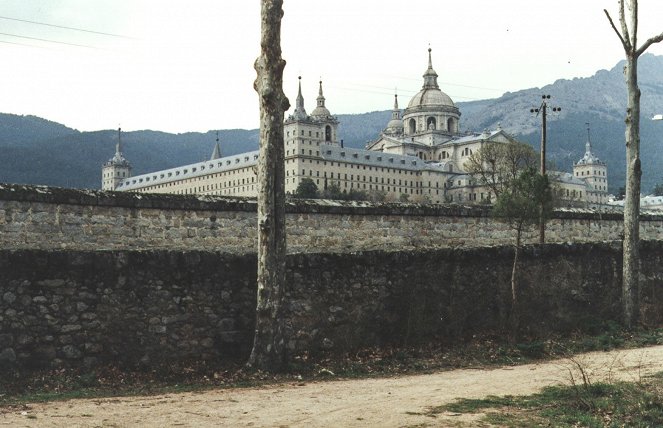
x,y
187,65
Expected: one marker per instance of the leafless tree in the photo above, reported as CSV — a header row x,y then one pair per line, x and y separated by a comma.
x,y
627,34
269,347
496,165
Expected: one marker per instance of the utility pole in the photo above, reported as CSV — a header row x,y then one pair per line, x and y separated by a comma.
x,y
543,109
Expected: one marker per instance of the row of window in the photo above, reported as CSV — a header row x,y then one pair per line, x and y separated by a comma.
x,y
582,173
365,186
327,133
360,166
185,171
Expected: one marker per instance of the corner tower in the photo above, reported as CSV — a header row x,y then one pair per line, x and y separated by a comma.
x,y
117,168
317,128
594,172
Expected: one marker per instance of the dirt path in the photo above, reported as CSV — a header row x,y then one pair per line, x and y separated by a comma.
x,y
391,402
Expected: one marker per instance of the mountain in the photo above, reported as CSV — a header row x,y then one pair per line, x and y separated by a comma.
x,y
52,154
39,151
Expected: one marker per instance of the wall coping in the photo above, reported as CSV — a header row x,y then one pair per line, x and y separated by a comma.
x,y
87,197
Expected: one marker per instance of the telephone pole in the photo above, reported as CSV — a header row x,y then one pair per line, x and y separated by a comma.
x,y
543,109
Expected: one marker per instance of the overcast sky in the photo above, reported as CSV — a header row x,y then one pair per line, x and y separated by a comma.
x,y
187,65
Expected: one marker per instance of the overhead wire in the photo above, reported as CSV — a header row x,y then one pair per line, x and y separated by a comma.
x,y
400,92
65,27
21,44
48,40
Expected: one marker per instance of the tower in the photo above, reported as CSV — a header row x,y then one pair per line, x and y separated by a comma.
x,y
592,171
317,128
117,168
395,125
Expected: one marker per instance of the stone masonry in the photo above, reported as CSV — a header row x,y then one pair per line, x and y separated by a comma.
x,y
52,218
144,308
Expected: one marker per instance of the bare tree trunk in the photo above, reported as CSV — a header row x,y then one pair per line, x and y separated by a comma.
x,y
628,36
515,310
631,263
269,345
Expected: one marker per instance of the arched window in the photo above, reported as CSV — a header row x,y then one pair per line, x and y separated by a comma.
x,y
328,133
431,124
412,125
451,125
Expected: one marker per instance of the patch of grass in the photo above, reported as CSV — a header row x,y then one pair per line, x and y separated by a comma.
x,y
597,405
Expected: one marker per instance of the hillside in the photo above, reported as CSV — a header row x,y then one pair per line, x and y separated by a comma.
x,y
39,151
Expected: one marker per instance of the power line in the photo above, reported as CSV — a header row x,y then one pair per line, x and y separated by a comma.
x,y
445,83
65,27
401,92
48,40
21,44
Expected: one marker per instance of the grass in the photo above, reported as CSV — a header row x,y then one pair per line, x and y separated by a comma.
x,y
108,381
632,404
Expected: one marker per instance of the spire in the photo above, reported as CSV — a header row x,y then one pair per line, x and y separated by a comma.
x,y
588,144
589,157
118,145
396,113
300,111
118,159
430,76
395,125
321,98
320,111
216,153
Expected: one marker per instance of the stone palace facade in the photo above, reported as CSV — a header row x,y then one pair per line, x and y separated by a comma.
x,y
420,154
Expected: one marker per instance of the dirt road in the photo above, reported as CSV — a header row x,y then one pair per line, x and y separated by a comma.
x,y
390,402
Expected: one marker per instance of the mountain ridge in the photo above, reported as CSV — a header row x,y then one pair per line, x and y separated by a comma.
x,y
39,151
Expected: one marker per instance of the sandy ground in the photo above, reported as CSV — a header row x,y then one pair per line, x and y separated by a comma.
x,y
387,402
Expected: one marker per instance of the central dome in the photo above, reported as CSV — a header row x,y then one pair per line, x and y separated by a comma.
x,y
431,110
430,98
430,94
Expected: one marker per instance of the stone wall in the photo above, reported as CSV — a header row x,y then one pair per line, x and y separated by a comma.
x,y
63,307
52,218
60,308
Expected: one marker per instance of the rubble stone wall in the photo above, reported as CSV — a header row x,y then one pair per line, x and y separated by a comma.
x,y
52,218
72,308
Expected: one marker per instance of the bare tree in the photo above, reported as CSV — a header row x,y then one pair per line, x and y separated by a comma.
x,y
631,265
522,204
269,341
496,165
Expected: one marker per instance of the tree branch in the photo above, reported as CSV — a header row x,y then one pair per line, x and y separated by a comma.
x,y
633,8
622,21
616,30
648,43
